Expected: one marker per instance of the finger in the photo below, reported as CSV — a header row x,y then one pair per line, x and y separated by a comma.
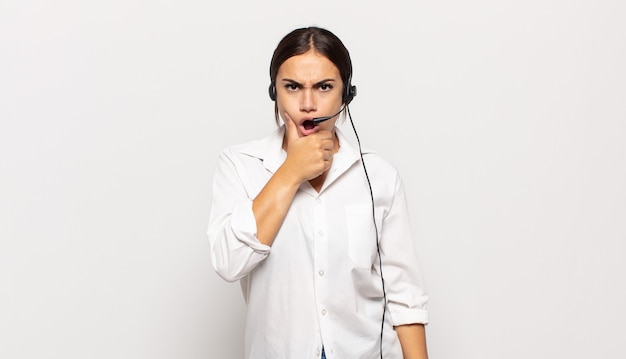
x,y
327,144
325,135
292,129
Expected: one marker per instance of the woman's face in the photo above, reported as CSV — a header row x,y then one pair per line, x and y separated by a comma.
x,y
309,86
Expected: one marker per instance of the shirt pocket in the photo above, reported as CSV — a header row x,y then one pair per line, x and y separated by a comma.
x,y
361,233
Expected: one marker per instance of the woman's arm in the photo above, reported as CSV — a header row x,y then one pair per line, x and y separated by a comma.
x,y
271,204
413,341
405,290
307,158
241,230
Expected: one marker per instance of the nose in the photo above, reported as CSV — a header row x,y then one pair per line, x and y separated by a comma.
x,y
307,101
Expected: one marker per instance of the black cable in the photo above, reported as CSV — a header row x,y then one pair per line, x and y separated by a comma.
x,y
380,262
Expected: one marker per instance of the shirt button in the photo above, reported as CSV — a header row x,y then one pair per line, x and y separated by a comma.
x,y
318,200
321,273
318,353
320,233
323,311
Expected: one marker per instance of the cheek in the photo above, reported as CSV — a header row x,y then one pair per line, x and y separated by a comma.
x,y
290,107
287,102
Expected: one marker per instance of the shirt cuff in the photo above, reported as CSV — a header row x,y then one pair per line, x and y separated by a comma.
x,y
403,315
243,225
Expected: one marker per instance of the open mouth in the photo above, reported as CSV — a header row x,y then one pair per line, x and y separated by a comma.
x,y
308,124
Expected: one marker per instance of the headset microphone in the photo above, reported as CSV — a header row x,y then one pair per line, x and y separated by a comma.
x,y
318,120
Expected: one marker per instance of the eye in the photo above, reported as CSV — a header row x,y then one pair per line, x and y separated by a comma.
x,y
291,87
326,87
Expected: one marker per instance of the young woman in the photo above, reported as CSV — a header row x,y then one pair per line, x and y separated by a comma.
x,y
320,243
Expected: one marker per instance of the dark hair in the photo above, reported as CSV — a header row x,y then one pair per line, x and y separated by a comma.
x,y
300,41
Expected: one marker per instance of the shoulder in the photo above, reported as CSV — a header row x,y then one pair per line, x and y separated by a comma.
x,y
239,149
384,180
379,162
371,158
380,169
257,148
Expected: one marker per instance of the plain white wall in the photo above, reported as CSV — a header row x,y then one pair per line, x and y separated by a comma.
x,y
506,119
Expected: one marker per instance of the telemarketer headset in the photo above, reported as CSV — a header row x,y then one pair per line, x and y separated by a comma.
x,y
347,97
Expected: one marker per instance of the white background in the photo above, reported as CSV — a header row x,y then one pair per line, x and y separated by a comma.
x,y
506,119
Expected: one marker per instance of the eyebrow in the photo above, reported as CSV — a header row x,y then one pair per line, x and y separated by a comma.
x,y
317,84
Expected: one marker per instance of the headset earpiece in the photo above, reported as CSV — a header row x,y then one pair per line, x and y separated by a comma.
x,y
272,91
349,94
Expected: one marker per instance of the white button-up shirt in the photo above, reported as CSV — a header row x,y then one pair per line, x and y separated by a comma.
x,y
319,284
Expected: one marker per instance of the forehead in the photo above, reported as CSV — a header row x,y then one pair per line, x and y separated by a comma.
x,y
310,66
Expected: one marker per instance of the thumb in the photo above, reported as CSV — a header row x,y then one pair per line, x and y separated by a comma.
x,y
291,129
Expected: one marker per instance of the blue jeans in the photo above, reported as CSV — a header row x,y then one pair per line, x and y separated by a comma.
x,y
323,353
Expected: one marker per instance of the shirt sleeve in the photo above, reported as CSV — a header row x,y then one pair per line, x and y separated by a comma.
x,y
235,248
404,285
